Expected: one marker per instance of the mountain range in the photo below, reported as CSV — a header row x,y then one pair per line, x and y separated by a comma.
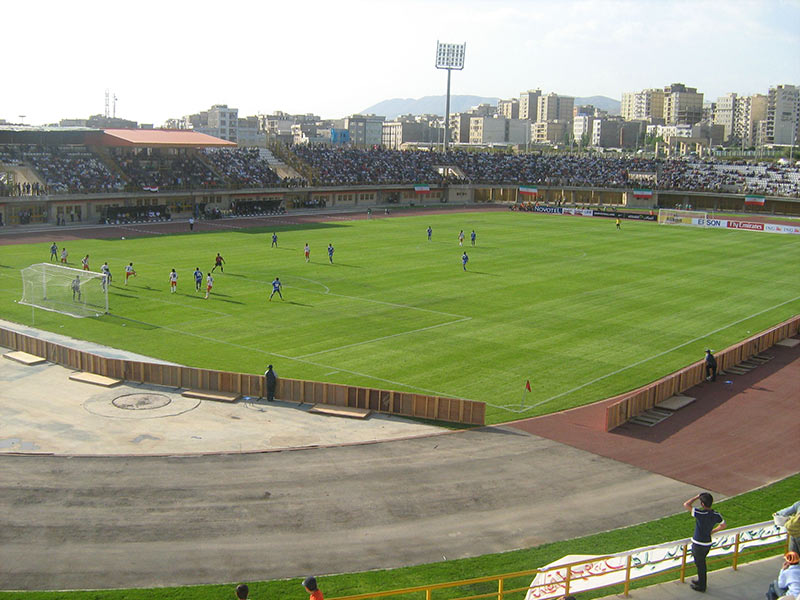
x,y
434,105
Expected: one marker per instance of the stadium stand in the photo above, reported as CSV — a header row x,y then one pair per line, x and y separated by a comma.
x,y
87,169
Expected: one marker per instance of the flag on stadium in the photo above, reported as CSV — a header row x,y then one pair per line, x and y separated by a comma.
x,y
150,188
528,384
754,200
642,193
422,189
528,190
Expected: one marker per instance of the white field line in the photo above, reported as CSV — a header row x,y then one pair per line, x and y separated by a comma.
x,y
389,381
385,337
660,354
140,230
264,352
328,292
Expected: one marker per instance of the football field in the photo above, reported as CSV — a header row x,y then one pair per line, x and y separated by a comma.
x,y
580,309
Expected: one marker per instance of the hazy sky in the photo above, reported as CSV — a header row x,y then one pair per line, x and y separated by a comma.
x,y
334,58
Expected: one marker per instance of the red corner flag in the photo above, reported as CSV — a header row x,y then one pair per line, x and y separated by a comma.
x,y
528,384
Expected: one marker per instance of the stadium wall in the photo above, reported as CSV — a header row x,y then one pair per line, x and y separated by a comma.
x,y
646,397
182,204
437,408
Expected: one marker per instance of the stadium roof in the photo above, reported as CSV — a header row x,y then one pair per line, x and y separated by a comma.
x,y
148,138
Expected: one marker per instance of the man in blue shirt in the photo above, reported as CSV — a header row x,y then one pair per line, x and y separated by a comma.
x,y
472,237
276,288
464,260
430,233
706,523
198,279
330,253
274,240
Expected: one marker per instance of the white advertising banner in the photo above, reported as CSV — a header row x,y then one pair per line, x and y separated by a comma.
x,y
592,572
746,225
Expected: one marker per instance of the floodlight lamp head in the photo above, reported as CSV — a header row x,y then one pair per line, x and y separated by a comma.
x,y
450,56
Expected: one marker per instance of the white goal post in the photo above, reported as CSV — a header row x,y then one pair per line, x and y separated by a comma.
x,y
65,290
671,216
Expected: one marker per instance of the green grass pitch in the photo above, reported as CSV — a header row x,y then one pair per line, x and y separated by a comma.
x,y
580,309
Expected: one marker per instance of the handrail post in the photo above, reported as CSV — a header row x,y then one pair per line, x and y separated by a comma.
x,y
683,563
499,588
628,575
736,552
567,580
427,593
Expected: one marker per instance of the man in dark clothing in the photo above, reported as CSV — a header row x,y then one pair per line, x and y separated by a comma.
x,y
706,523
272,381
711,366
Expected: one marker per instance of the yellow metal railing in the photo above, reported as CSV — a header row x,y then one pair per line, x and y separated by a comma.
x,y
562,576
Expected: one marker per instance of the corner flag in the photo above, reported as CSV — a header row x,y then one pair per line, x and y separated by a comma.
x,y
528,385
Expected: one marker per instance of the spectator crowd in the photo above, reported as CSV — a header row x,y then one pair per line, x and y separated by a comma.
x,y
75,169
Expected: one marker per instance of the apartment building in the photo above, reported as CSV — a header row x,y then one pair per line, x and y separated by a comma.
x,y
750,111
682,105
529,104
646,105
508,108
553,107
783,115
725,114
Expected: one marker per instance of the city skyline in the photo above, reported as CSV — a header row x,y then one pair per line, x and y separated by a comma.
x,y
336,60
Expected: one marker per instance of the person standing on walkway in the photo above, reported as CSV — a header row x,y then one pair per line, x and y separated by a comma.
x,y
272,382
706,523
711,366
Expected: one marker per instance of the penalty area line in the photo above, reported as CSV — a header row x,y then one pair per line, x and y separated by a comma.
x,y
660,354
384,337
315,364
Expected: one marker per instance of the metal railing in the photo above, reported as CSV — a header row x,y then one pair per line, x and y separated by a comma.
x,y
600,572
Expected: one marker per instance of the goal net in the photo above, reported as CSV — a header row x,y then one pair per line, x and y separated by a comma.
x,y
670,216
65,290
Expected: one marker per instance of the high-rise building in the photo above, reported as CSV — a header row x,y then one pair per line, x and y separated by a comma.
x,y
750,111
552,107
528,104
682,105
647,105
508,108
725,114
783,115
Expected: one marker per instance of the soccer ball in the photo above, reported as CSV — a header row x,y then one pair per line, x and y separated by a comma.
x,y
123,237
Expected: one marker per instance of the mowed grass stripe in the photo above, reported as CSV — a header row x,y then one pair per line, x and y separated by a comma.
x,y
580,309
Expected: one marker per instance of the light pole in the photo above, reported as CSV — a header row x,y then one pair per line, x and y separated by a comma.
x,y
449,56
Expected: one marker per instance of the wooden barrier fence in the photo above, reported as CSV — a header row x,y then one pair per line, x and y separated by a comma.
x,y
648,396
404,404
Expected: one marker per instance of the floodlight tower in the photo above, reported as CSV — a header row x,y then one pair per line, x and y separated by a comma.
x,y
449,56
